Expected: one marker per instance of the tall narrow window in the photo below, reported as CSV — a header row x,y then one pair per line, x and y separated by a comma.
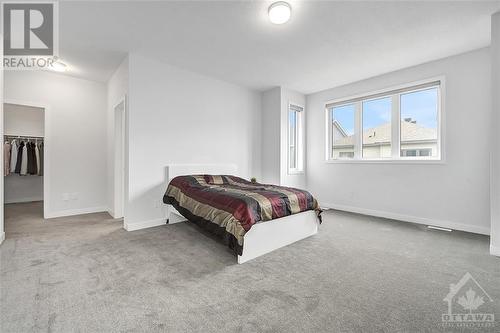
x,y
377,128
342,131
295,138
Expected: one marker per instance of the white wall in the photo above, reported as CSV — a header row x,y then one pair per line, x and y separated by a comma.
x,y
495,156
176,116
28,121
275,104
455,193
75,137
117,89
23,120
271,136
23,188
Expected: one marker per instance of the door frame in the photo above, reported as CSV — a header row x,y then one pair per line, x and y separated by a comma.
x,y
119,169
46,149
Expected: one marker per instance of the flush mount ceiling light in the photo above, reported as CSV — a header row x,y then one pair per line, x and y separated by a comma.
x,y
59,66
280,12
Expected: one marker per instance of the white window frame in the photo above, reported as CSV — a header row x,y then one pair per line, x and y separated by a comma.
x,y
299,139
395,124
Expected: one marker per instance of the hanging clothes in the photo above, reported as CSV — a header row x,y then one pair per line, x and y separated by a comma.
x,y
28,157
24,157
13,155
34,170
31,159
37,156
40,170
19,157
6,158
24,161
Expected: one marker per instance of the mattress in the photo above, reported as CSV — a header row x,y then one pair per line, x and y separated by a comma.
x,y
228,206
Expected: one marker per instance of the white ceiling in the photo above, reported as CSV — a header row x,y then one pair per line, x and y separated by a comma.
x,y
325,44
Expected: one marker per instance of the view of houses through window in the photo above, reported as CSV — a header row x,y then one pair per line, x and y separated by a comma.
x,y
376,116
418,112
342,120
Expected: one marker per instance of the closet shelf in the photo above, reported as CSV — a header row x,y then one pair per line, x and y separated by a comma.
x,y
17,136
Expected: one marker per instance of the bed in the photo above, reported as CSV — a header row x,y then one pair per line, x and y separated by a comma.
x,y
251,218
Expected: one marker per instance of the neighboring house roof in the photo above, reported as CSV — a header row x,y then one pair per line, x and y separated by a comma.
x,y
410,131
339,127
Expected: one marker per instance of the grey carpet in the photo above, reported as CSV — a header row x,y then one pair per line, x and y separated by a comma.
x,y
87,274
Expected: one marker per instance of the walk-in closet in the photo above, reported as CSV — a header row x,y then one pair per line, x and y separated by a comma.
x,y
24,131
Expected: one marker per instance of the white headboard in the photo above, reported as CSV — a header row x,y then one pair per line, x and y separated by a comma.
x,y
174,170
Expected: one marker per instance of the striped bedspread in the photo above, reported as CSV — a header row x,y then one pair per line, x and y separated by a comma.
x,y
234,204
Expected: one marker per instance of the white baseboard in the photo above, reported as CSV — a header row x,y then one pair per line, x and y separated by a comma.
x,y
2,237
20,200
144,224
113,215
409,218
494,250
79,211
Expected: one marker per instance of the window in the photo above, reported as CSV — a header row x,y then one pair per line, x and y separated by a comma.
x,y
424,152
416,152
295,138
408,152
342,130
377,128
396,124
419,122
346,154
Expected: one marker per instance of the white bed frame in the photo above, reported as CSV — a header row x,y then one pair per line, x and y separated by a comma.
x,y
262,237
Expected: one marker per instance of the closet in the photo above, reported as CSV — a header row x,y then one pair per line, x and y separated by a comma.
x,y
24,155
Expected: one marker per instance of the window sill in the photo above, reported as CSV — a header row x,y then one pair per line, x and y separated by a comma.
x,y
387,161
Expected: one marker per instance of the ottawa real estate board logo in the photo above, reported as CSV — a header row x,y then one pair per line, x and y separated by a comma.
x,y
30,31
469,305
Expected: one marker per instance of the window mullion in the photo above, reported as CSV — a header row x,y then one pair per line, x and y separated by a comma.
x,y
358,131
329,132
395,127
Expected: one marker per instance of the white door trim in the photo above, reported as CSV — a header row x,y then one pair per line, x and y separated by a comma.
x,y
119,166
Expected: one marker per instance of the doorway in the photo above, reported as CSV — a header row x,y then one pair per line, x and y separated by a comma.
x,y
24,156
119,159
